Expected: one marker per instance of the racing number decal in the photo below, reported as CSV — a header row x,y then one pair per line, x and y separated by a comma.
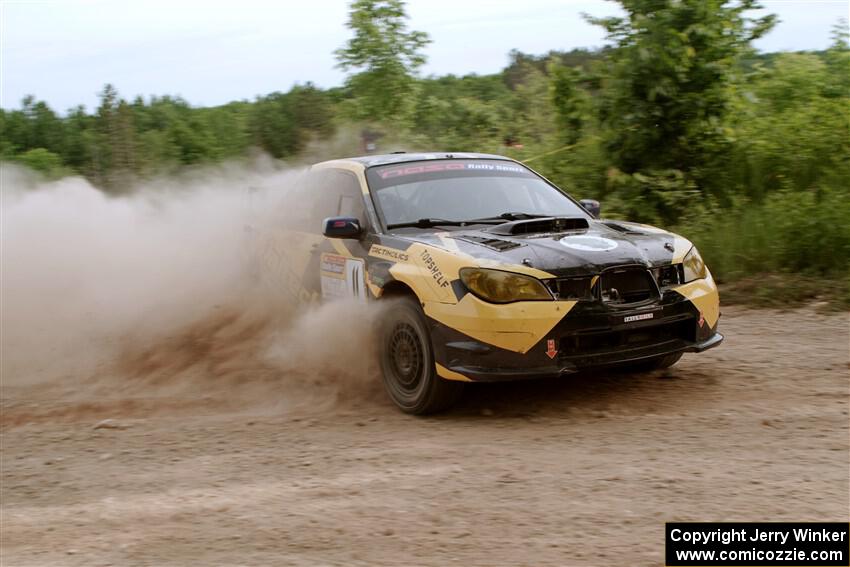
x,y
342,277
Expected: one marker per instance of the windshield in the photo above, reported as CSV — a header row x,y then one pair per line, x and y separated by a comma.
x,y
462,190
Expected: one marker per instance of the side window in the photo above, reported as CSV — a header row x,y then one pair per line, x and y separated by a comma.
x,y
350,202
336,193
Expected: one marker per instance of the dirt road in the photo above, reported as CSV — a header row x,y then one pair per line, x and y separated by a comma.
x,y
582,471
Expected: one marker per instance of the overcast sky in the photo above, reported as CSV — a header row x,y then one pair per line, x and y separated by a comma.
x,y
211,52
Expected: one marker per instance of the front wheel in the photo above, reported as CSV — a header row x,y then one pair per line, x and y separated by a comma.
x,y
407,361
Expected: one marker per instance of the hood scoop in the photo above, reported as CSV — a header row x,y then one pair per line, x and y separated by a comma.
x,y
493,243
622,229
539,226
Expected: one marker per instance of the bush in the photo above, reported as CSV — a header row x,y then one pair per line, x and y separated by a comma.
x,y
43,161
801,232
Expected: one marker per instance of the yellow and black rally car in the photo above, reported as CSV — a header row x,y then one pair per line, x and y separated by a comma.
x,y
498,274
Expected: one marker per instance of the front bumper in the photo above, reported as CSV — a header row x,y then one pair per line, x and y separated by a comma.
x,y
589,336
499,374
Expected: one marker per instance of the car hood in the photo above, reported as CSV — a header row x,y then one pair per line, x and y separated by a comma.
x,y
562,248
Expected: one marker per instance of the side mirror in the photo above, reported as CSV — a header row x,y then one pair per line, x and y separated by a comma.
x,y
341,227
591,206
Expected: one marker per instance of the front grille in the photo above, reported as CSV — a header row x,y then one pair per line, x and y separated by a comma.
x,y
624,286
619,286
580,288
589,343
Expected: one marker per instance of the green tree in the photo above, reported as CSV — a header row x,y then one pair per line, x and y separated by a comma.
x,y
568,101
313,112
43,161
273,125
384,56
667,90
113,156
791,129
45,127
838,61
80,139
228,126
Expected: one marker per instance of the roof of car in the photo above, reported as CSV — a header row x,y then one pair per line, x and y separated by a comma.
x,y
401,157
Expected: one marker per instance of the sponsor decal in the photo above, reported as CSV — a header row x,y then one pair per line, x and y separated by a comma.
x,y
431,266
415,169
588,243
342,277
641,317
495,167
450,166
333,264
551,351
390,253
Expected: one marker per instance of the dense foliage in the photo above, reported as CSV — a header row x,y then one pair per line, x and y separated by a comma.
x,y
677,122
386,56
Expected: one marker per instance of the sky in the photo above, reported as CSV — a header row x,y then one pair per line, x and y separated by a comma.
x,y
211,52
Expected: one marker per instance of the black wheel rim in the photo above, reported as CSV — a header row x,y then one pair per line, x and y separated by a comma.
x,y
406,356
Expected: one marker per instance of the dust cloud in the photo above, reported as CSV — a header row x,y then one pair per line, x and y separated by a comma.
x,y
167,288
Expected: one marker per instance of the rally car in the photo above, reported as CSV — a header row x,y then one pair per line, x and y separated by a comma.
x,y
497,274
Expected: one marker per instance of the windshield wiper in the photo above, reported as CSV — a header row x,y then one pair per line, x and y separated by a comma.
x,y
430,223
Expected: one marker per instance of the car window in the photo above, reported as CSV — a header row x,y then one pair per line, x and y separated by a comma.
x,y
333,193
464,190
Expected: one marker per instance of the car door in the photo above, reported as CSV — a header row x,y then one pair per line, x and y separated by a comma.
x,y
340,263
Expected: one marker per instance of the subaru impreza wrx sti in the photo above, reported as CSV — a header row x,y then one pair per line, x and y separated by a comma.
x,y
496,274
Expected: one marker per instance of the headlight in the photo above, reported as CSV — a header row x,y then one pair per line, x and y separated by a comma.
x,y
497,286
693,266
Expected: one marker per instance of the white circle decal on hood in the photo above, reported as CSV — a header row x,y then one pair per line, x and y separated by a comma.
x,y
589,243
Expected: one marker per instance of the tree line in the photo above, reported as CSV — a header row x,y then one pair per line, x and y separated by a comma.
x,y
676,120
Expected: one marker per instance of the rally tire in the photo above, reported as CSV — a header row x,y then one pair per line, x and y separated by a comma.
x,y
407,361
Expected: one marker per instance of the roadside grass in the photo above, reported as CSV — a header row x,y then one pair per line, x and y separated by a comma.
x,y
792,248
787,291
